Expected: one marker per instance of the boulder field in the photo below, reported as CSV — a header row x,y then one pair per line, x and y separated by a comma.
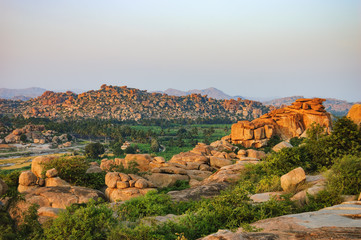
x,y
287,122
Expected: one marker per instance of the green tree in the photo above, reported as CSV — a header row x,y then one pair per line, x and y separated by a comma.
x,y
154,145
93,150
23,138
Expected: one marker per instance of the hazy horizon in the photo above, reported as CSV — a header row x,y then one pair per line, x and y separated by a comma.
x,y
248,48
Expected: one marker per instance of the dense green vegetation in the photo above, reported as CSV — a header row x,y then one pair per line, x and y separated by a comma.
x,y
338,154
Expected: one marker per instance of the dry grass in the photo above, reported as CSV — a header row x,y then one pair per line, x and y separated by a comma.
x,y
20,162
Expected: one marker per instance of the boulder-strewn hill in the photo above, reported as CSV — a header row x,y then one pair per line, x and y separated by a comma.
x,y
131,104
332,105
24,93
210,92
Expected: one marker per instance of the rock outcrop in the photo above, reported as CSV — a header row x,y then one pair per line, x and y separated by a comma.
x,y
122,187
355,113
291,180
286,122
52,199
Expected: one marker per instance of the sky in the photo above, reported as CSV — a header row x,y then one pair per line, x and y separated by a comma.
x,y
253,48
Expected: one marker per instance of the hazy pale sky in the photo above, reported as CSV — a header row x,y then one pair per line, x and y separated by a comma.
x,y
258,48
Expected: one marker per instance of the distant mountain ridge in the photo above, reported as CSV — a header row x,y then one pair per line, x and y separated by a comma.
x,y
334,106
210,92
21,94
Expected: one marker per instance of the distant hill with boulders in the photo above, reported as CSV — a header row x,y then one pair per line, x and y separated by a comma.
x,y
123,103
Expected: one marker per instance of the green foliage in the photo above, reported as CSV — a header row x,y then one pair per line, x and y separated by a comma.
x,y
117,149
93,150
130,150
315,131
344,176
23,138
154,145
152,204
73,170
270,183
296,141
12,180
31,228
323,199
132,168
7,226
92,221
178,185
273,141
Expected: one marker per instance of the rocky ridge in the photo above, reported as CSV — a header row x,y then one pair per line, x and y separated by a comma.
x,y
287,122
122,103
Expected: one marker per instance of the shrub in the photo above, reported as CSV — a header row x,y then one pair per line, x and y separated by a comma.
x,y
151,204
269,184
93,150
92,221
344,176
71,169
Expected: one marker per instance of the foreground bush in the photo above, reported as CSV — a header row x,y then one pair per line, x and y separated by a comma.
x,y
344,176
90,221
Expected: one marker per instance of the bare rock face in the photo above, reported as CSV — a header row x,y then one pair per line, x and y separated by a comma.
x,y
142,160
3,187
355,113
292,179
286,122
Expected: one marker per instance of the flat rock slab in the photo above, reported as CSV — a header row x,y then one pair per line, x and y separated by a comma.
x,y
199,192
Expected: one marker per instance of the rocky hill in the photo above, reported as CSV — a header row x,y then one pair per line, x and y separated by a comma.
x,y
123,103
334,106
210,92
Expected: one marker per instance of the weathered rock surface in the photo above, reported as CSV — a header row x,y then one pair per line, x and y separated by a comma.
x,y
27,178
286,122
161,180
199,192
355,113
337,222
54,197
281,146
292,179
37,165
122,187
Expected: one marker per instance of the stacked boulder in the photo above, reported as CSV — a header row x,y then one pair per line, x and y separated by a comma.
x,y
287,122
49,191
122,187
